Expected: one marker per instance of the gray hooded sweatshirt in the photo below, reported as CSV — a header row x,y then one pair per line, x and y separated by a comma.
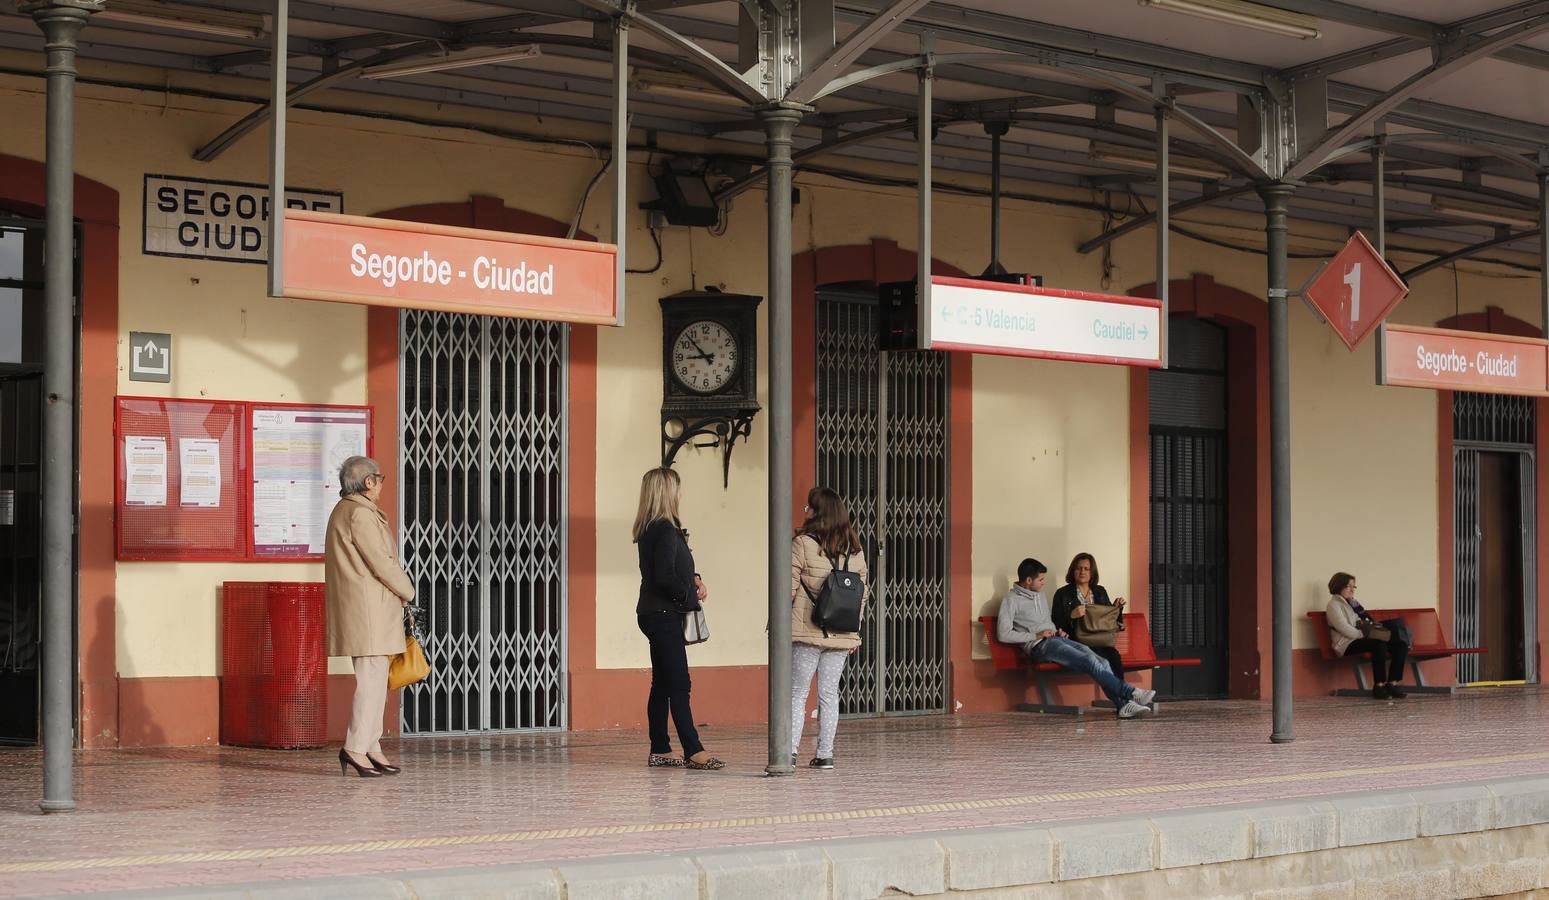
x,y
1023,614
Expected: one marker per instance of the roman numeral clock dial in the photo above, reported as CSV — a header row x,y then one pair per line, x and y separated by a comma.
x,y
705,356
709,372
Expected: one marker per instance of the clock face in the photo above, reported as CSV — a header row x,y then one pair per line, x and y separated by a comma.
x,y
705,356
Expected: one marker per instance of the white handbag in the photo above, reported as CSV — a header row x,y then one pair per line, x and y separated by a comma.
x,y
695,629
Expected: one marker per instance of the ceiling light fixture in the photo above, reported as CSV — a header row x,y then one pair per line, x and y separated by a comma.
x,y
456,59
1135,158
1483,212
1250,15
186,17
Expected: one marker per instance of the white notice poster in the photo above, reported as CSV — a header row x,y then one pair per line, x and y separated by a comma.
x,y
145,471
199,460
296,457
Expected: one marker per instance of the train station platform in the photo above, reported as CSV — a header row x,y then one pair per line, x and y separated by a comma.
x,y
983,799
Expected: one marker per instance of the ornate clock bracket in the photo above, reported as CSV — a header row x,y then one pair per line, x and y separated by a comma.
x,y
706,430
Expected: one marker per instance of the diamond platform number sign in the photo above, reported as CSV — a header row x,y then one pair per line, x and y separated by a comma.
x,y
150,356
1355,291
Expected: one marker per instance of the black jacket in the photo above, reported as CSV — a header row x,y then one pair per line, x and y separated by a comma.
x,y
1065,600
666,570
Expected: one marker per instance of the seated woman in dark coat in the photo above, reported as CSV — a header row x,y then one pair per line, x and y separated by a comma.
x,y
1081,590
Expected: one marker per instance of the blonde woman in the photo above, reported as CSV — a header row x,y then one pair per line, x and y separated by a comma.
x,y
826,539
669,587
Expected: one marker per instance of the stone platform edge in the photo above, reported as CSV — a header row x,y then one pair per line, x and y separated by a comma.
x,y
1460,840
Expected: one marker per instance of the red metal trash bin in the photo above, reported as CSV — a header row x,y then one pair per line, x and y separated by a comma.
x,y
274,665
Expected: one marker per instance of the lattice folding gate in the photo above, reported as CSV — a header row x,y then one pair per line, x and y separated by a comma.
x,y
482,444
1490,423
1188,577
882,444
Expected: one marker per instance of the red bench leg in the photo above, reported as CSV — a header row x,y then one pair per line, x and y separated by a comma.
x,y
1046,702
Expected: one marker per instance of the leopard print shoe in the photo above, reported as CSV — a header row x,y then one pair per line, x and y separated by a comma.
x,y
661,761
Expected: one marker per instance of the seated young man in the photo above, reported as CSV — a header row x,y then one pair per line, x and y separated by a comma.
x,y
1025,621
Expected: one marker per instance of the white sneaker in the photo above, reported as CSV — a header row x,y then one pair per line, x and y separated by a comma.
x,y
1144,698
1133,710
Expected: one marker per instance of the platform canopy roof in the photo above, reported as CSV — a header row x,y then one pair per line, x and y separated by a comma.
x,y
1460,87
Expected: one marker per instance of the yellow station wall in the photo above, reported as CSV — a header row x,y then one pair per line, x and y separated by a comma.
x,y
1051,440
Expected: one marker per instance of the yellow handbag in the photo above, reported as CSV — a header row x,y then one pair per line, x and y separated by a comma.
x,y
409,666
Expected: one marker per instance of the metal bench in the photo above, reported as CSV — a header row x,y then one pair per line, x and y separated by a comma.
x,y
1424,630
1134,645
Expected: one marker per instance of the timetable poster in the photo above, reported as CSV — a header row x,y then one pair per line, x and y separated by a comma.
x,y
296,457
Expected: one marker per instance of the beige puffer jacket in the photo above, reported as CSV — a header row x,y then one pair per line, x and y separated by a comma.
x,y
809,568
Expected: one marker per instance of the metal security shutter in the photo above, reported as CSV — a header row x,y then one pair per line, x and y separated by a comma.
x,y
882,444
482,447
1490,423
1188,577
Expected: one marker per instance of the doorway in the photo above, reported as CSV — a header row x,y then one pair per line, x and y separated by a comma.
x,y
1494,532
21,479
483,442
1189,578
881,428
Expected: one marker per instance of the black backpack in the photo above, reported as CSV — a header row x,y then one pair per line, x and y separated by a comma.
x,y
837,606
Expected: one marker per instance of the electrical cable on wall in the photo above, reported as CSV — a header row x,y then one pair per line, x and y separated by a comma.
x,y
655,239
575,221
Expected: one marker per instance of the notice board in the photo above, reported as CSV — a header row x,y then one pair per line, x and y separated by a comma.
x,y
181,480
297,451
229,481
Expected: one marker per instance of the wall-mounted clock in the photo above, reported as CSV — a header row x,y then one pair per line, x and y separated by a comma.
x,y
709,371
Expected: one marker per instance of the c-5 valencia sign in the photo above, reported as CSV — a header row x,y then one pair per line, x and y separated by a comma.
x,y
1022,320
385,262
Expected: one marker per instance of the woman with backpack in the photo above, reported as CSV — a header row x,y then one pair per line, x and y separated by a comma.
x,y
828,588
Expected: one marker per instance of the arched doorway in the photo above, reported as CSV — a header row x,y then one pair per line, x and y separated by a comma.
x,y
1491,480
1199,481
101,701
482,435
879,430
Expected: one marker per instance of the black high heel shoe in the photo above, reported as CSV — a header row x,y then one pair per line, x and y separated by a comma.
x,y
384,768
345,763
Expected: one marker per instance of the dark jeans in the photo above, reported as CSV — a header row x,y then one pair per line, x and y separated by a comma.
x,y
1111,655
1387,655
669,683
1079,657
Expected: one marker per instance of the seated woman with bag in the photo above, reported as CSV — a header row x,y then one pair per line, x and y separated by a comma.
x,y
1075,600
1352,630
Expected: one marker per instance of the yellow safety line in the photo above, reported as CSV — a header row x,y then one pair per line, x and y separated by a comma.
x,y
510,837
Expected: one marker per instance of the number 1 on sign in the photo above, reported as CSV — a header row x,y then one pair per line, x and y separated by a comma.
x,y
1353,279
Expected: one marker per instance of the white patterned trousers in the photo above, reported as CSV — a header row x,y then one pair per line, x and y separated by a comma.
x,y
829,665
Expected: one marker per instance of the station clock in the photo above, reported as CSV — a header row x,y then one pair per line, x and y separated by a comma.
x,y
709,371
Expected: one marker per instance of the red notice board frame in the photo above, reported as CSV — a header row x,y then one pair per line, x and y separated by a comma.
x,y
180,525
172,532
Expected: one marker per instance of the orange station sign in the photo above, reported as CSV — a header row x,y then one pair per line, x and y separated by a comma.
x,y
1449,360
385,262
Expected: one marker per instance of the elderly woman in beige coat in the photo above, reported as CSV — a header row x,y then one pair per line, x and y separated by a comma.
x,y
367,591
825,536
